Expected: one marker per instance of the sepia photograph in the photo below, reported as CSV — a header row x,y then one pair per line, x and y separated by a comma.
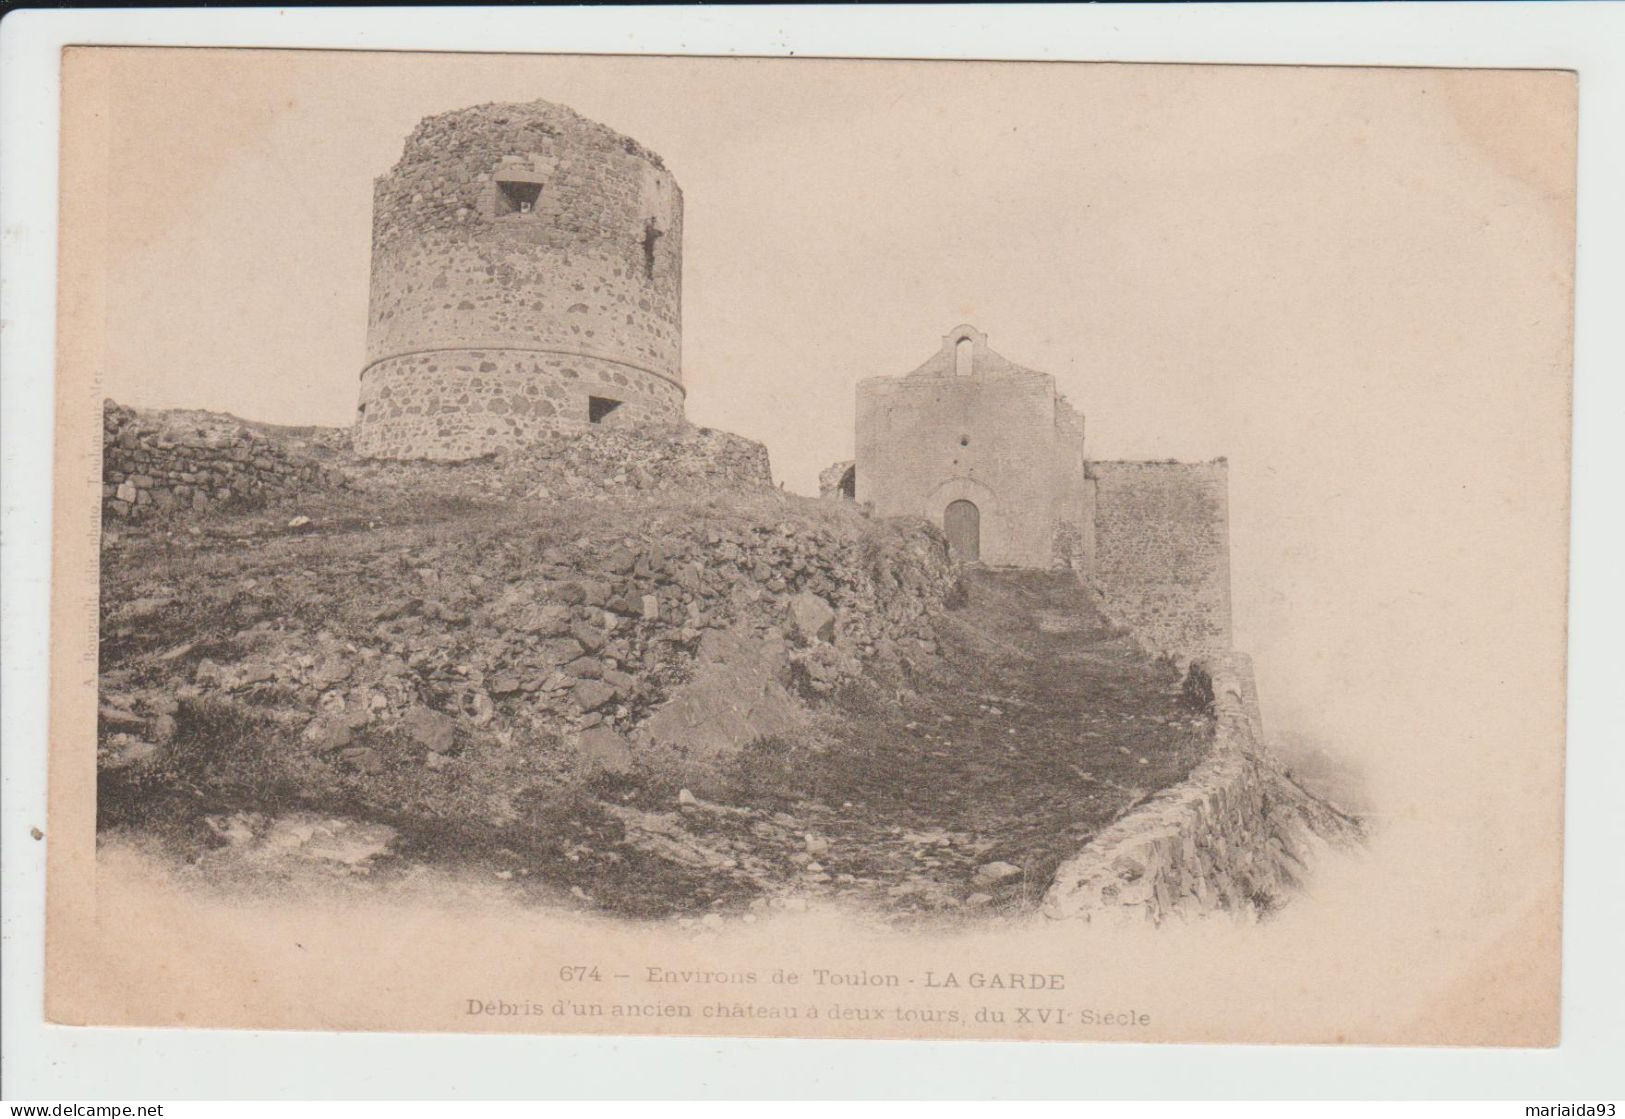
x,y
811,547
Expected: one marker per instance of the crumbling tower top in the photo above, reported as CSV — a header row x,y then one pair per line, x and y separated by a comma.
x,y
526,277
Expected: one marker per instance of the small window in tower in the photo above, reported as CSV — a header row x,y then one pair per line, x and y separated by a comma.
x,y
517,198
962,357
600,406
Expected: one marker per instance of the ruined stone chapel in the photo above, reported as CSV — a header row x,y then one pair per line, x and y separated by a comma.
x,y
992,454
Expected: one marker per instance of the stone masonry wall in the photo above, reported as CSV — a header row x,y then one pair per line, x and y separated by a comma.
x,y
522,256
458,404
1161,552
1237,835
163,463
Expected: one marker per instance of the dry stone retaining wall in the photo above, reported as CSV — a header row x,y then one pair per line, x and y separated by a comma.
x,y
1237,835
598,462
163,463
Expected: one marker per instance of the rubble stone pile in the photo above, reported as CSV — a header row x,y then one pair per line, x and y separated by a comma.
x,y
452,671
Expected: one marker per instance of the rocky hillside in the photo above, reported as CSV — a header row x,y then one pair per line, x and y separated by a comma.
x,y
676,692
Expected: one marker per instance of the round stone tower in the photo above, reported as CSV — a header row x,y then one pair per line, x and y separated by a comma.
x,y
526,278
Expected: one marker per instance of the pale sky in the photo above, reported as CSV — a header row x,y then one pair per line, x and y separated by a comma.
x,y
1353,283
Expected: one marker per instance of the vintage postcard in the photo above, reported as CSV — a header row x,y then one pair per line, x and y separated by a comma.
x,y
810,547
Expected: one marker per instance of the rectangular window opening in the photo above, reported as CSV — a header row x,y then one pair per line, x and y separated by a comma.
x,y
600,406
517,198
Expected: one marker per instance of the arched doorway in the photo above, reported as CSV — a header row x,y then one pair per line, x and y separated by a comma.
x,y
962,523
848,487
